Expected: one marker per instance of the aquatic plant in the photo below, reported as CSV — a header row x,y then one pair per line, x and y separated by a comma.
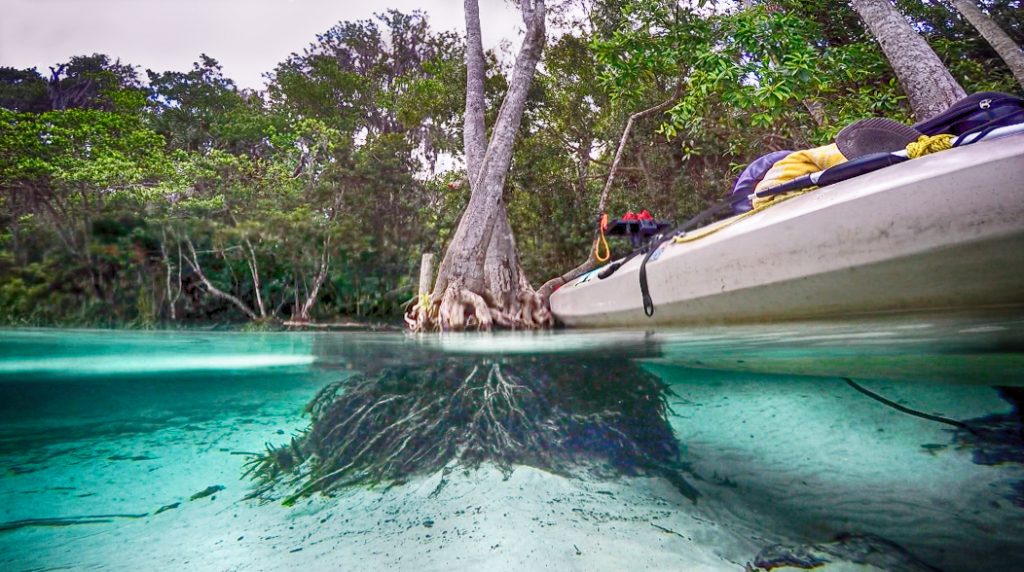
x,y
598,417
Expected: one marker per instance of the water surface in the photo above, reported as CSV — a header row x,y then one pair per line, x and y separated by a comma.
x,y
105,437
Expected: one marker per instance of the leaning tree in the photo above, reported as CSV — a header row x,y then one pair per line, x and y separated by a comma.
x,y
1000,41
480,282
929,86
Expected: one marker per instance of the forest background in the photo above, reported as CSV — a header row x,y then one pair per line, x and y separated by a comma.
x,y
145,199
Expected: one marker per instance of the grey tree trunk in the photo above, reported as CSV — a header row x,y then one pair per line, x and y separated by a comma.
x,y
474,132
480,280
1007,49
928,84
313,296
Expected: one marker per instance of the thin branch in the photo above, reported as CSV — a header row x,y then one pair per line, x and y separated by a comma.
x,y
311,297
194,263
254,271
676,95
545,291
169,270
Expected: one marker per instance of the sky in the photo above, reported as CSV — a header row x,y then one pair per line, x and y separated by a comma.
x,y
248,37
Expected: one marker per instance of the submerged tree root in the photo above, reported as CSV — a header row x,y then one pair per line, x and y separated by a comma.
x,y
602,418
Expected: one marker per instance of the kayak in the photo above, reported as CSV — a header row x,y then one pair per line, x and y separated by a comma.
x,y
943,231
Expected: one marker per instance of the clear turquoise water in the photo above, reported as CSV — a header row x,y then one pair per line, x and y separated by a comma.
x,y
103,429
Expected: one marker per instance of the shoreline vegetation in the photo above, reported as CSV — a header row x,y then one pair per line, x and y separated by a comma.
x,y
285,326
132,197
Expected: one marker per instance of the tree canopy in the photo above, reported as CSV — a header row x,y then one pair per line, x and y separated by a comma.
x,y
147,198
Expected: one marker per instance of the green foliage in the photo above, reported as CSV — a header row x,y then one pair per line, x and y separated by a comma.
x,y
191,109
95,82
326,172
391,74
23,90
107,184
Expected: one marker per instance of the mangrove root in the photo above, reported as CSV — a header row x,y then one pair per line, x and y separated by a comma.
x,y
462,309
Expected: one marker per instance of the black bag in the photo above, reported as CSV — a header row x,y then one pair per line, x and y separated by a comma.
x,y
976,113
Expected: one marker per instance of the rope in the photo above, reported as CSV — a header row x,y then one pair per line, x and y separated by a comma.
x,y
761,204
926,145
907,410
602,241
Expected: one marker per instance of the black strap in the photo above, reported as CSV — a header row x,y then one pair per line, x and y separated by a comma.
x,y
856,167
964,108
614,267
982,131
645,291
694,222
797,184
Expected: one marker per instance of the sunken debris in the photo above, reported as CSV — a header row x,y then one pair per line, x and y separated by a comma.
x,y
847,548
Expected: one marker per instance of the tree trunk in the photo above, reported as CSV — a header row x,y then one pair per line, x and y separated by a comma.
x,y
817,111
1009,51
254,272
928,84
480,281
171,296
318,281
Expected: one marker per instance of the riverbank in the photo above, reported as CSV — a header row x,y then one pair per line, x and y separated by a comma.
x,y
338,325
342,326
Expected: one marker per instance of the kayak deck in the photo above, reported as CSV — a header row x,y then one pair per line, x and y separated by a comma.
x,y
942,231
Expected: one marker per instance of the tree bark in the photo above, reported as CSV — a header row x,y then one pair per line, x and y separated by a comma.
x,y
474,132
480,281
254,272
171,296
426,274
1007,49
318,281
928,84
817,111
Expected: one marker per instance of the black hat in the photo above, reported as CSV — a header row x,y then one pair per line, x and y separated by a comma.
x,y
875,135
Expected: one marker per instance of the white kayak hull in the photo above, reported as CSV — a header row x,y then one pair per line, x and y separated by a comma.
x,y
939,232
